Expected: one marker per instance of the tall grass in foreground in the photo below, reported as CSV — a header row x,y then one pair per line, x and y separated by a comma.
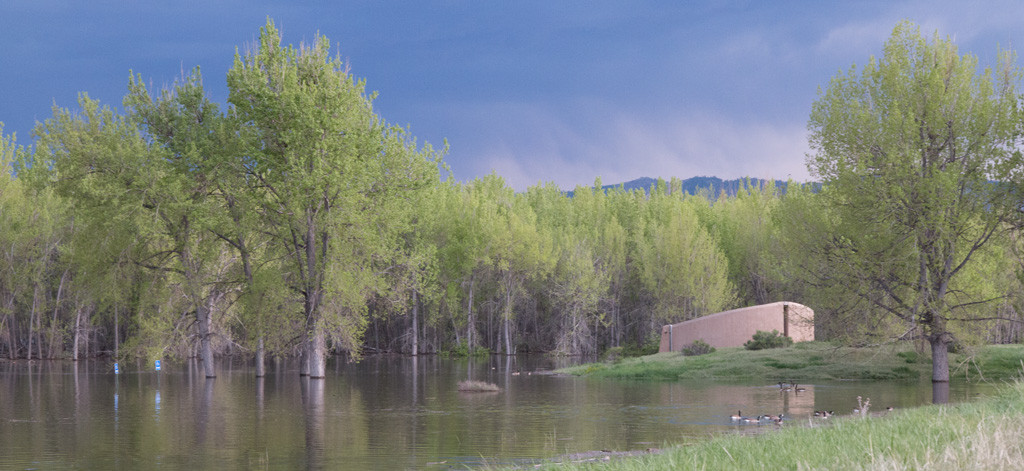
x,y
988,434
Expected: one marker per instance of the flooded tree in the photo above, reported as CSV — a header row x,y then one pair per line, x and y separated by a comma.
x,y
328,171
918,153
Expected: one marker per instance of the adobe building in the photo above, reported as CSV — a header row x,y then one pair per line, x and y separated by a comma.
x,y
733,328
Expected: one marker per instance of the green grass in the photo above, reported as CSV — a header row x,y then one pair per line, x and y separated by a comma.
x,y
987,434
991,363
812,361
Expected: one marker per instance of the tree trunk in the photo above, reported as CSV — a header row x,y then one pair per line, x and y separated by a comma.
x,y
53,324
940,358
316,344
455,329
471,322
12,337
508,335
90,335
507,316
617,325
304,357
10,345
261,353
317,355
415,325
194,289
243,250
78,332
12,331
39,334
32,319
493,333
206,350
117,334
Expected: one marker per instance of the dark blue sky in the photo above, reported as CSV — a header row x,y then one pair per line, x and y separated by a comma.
x,y
536,91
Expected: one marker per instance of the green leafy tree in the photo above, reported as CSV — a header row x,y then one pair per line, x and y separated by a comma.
x,y
30,232
188,133
120,181
579,281
96,274
682,266
917,152
410,260
744,229
328,169
455,234
807,228
184,123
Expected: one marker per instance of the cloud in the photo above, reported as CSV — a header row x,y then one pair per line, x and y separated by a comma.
x,y
548,147
972,25
711,144
857,39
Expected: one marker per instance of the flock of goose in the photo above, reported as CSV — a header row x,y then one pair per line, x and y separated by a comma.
x,y
791,386
761,419
784,387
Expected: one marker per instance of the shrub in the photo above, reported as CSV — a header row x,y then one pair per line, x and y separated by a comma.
x,y
649,347
698,347
909,356
905,372
614,354
461,350
763,340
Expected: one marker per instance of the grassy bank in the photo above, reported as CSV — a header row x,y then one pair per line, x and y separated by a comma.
x,y
988,434
812,361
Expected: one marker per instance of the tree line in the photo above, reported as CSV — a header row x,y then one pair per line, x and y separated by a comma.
x,y
296,221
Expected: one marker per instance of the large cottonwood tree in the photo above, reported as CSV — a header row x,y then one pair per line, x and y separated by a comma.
x,y
917,151
122,180
329,172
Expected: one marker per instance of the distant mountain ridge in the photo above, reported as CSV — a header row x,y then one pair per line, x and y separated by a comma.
x,y
713,186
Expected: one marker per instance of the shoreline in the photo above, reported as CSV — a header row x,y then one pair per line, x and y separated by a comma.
x,y
810,361
928,436
984,434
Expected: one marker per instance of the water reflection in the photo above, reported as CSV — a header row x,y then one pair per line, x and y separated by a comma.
x,y
415,368
260,395
381,413
940,392
313,404
202,408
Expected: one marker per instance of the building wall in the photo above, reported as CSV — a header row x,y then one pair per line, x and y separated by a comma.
x,y
733,328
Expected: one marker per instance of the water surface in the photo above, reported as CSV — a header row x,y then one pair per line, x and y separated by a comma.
x,y
380,413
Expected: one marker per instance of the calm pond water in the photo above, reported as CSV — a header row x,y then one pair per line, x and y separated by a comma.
x,y
379,413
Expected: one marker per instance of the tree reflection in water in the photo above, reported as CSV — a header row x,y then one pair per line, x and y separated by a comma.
x,y
313,403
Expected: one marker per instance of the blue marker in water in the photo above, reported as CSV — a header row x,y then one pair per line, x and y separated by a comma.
x,y
158,365
117,370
